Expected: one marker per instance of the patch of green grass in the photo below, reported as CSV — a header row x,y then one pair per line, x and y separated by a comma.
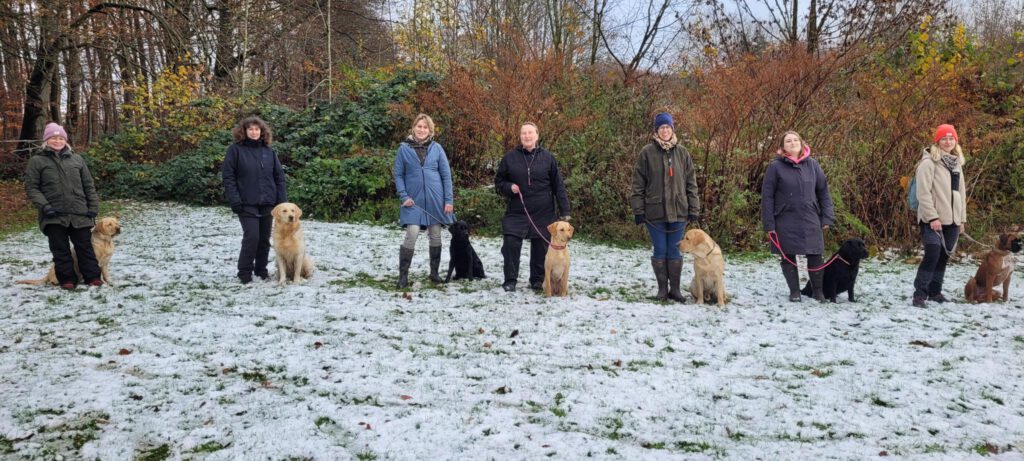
x,y
323,420
155,454
987,396
366,456
692,447
698,363
985,449
614,426
1019,339
256,375
106,321
6,445
637,365
934,448
209,447
653,445
559,412
878,401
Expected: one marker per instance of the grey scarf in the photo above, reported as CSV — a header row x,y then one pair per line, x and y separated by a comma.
x,y
950,161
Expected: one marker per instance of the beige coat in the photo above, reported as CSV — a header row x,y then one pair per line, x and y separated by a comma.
x,y
936,199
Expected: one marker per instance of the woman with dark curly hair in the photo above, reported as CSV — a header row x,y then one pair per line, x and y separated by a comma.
x,y
253,184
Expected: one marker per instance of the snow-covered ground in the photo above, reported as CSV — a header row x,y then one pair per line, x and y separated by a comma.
x,y
180,361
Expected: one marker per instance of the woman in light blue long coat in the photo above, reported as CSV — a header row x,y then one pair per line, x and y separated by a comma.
x,y
424,183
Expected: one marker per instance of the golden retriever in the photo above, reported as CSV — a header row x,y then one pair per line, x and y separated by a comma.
x,y
708,267
556,263
102,244
290,244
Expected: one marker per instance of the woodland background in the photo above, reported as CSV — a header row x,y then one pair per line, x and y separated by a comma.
x,y
149,89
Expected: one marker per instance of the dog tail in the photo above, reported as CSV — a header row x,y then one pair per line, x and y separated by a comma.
x,y
41,281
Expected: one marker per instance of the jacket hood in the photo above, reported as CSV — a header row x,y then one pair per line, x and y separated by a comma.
x,y
803,155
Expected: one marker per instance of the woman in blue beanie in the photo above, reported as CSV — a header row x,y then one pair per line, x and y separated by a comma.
x,y
664,197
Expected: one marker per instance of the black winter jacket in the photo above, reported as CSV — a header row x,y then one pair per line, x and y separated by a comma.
x,y
541,184
253,175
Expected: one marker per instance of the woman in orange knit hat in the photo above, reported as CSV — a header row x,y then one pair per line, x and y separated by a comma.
x,y
941,211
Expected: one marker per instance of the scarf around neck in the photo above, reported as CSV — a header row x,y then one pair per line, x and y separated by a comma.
x,y
667,145
949,161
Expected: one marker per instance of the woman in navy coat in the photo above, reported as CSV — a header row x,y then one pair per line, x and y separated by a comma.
x,y
795,209
424,183
254,183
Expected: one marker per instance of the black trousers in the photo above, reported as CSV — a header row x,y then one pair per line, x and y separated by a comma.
x,y
61,238
510,251
255,250
932,271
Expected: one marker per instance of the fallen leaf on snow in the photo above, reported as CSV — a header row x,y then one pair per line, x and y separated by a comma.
x,y
487,344
318,345
405,397
922,343
617,363
514,334
503,390
124,352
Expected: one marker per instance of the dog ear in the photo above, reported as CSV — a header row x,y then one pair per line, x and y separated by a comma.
x,y
276,211
551,227
298,212
571,229
1004,241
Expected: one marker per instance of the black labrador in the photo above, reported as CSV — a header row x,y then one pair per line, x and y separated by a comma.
x,y
842,273
463,259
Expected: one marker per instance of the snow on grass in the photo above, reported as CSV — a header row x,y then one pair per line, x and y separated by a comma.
x,y
180,361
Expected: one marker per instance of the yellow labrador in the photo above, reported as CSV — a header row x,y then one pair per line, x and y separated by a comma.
x,y
556,263
708,267
102,244
290,244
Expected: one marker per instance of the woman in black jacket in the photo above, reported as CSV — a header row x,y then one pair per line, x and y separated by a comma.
x,y
528,174
253,184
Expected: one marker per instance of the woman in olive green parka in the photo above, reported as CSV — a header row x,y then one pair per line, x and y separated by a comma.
x,y
58,183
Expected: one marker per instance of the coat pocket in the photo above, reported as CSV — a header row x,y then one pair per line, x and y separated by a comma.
x,y
780,209
654,209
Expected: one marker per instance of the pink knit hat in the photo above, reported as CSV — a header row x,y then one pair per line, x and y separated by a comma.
x,y
53,129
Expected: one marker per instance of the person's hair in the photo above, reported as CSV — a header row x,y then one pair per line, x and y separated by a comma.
x,y
936,153
416,121
782,141
238,134
534,125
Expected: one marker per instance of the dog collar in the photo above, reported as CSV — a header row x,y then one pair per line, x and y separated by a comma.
x,y
556,247
711,251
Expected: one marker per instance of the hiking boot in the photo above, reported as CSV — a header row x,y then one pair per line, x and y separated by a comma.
x,y
404,260
435,261
792,281
245,278
95,282
675,269
537,286
509,286
67,286
817,280
938,297
919,301
661,275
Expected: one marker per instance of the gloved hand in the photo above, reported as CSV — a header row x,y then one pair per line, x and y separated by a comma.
x,y
90,214
237,208
49,212
691,218
565,218
639,218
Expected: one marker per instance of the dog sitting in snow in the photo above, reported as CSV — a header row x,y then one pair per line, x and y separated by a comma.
x,y
708,284
103,234
996,268
290,244
556,262
841,275
463,260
